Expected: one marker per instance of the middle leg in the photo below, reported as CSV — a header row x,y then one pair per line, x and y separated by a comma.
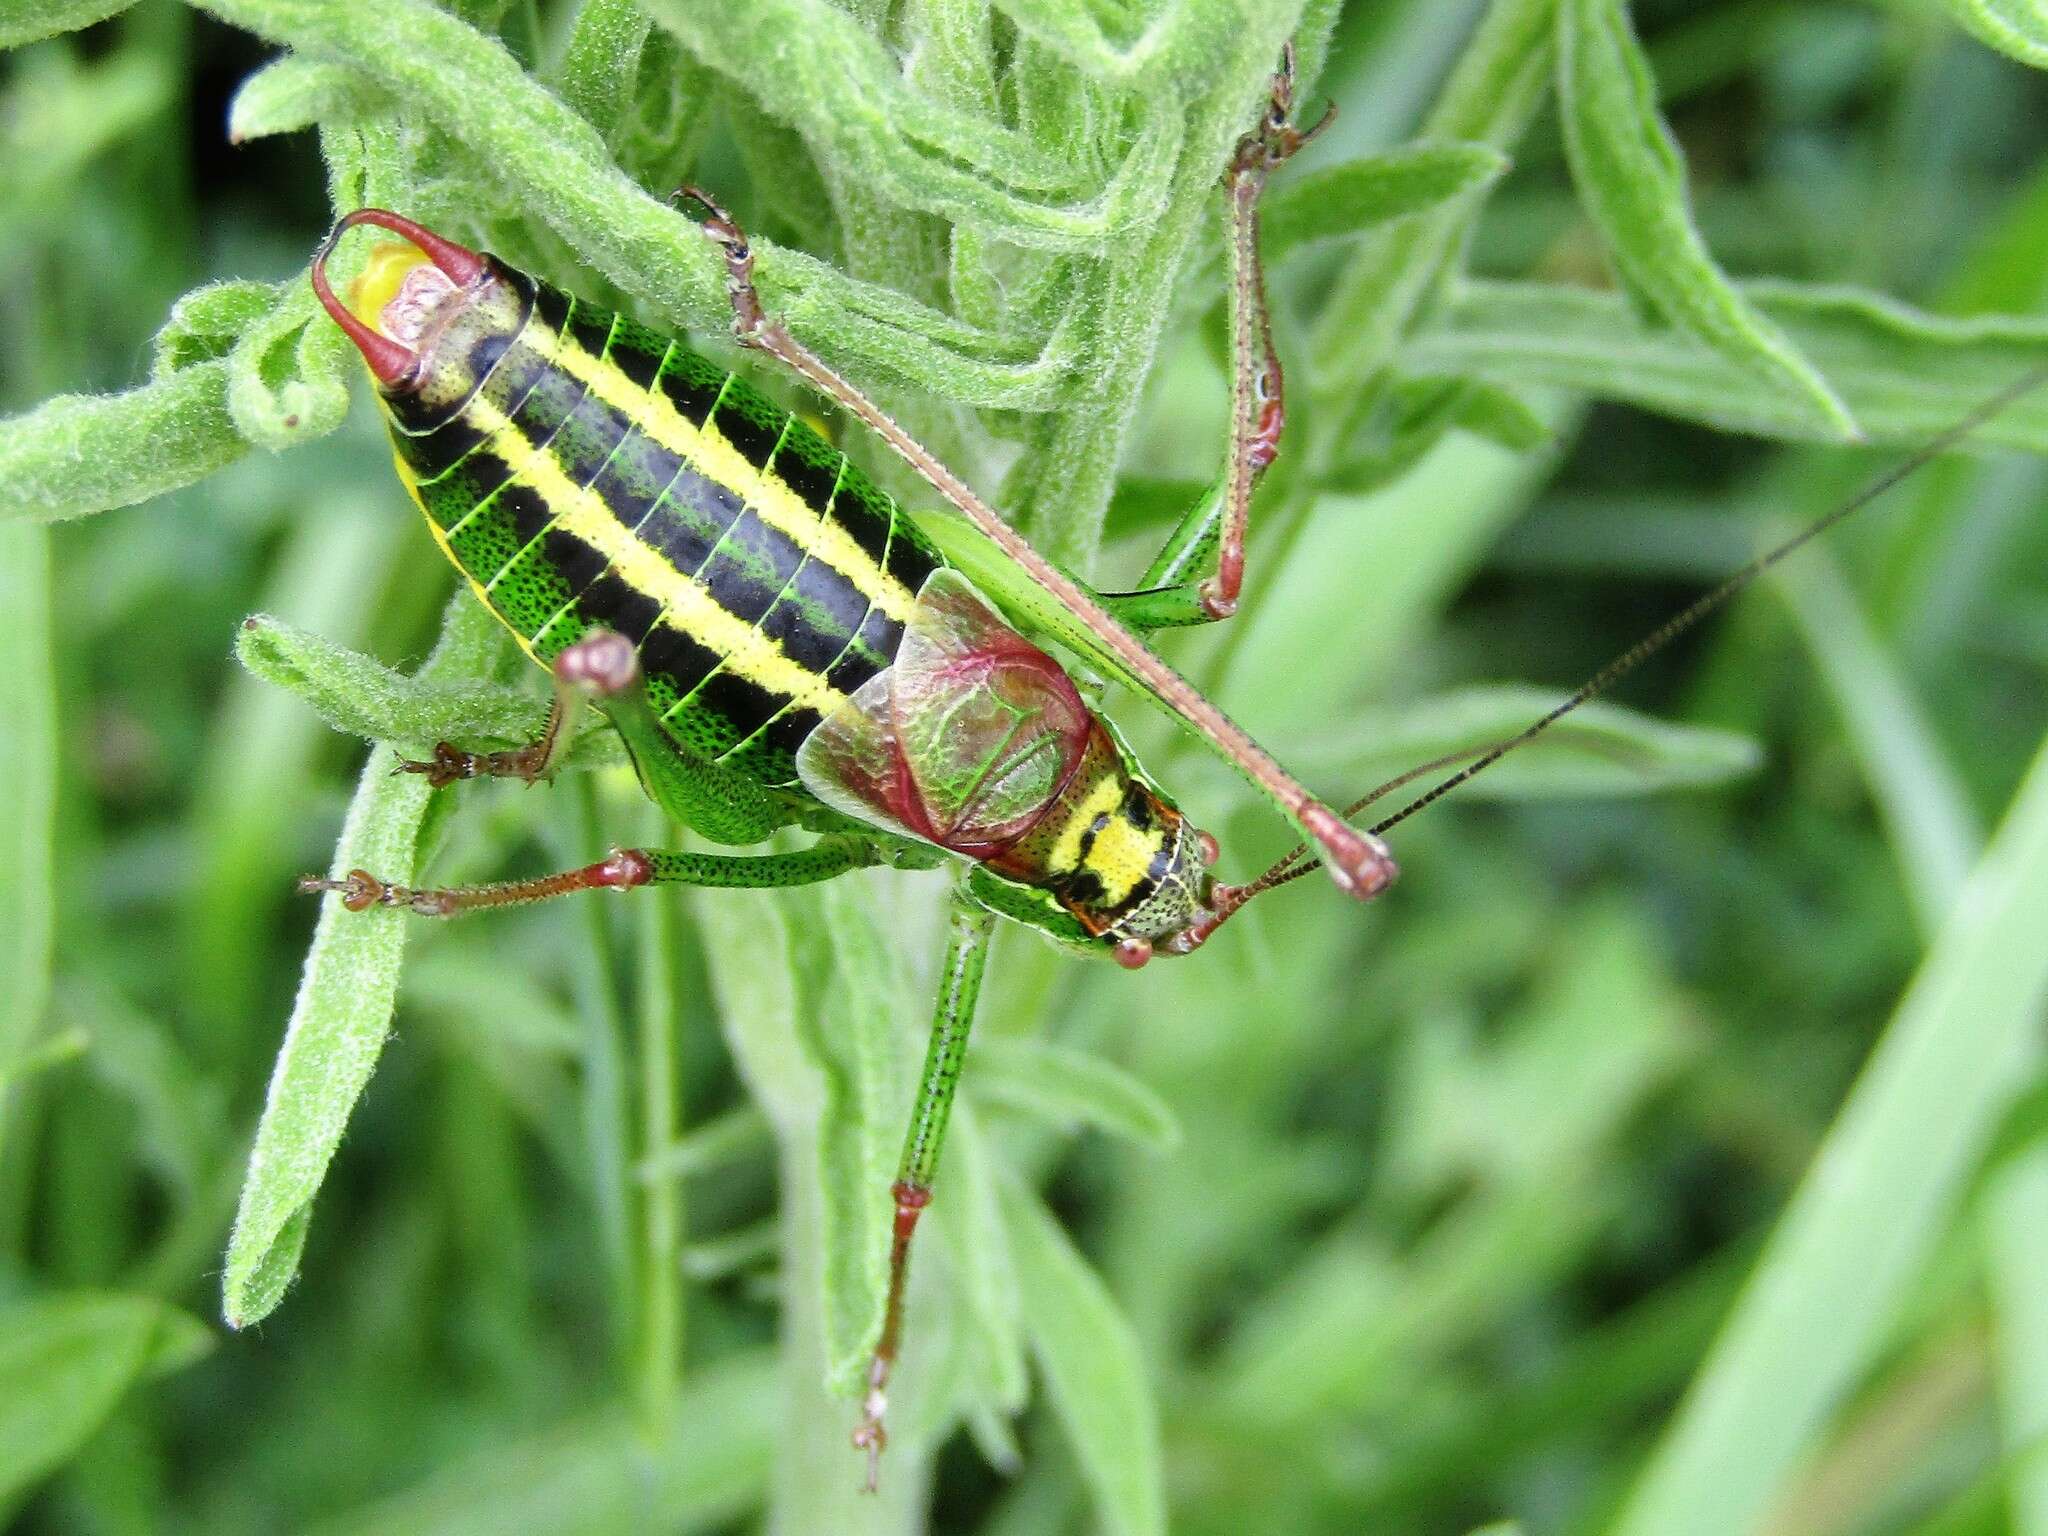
x,y
1198,575
969,929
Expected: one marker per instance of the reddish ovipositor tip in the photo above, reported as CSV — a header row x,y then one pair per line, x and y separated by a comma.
x,y
394,365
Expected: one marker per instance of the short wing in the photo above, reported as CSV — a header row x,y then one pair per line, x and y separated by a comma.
x,y
989,564
963,741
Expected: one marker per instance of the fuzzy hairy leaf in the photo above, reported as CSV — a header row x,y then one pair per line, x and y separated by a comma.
x,y
853,1038
2017,27
1633,181
555,169
27,21
1907,374
1345,199
343,1011
78,454
292,94
360,696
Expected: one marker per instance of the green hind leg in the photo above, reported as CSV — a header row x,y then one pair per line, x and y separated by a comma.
x,y
969,931
1199,574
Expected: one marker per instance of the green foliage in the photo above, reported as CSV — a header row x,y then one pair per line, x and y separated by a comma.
x,y
28,784
1412,1219
1630,175
66,1360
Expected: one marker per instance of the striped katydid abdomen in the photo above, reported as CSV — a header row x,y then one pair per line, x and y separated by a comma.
x,y
583,472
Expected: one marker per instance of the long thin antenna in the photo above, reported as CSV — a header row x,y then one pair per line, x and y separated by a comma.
x,y
1600,682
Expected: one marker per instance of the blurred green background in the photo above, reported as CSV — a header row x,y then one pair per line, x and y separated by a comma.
x,y
1664,1154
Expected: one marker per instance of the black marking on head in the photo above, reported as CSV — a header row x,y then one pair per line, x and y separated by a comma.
x,y
1138,806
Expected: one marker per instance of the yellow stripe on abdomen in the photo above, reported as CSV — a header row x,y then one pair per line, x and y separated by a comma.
x,y
712,455
686,604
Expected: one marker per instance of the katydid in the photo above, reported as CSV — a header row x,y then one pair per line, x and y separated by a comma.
x,y
777,643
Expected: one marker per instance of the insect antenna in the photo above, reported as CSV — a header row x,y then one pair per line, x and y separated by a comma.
x,y
1293,866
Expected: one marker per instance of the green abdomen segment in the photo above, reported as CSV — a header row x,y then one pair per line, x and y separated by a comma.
x,y
600,475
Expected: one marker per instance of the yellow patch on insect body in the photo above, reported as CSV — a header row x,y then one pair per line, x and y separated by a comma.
x,y
712,455
1100,839
686,603
394,270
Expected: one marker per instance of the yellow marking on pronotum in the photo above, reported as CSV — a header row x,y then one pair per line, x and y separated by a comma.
x,y
711,453
1119,855
686,604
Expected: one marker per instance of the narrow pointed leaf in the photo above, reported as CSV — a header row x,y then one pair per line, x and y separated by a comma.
x,y
1883,1188
342,1014
1092,1369
1359,194
1633,181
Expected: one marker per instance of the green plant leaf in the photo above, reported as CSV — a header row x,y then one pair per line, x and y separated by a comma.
x,y
2015,27
1495,88
28,788
26,21
846,90
77,454
292,94
1883,1187
856,1028
67,1360
360,696
553,167
1344,199
598,1473
1628,171
1907,374
204,324
601,63
1070,1087
343,1011
289,372
1092,1369
989,1308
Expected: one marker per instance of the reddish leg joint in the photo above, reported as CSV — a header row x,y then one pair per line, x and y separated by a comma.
x,y
870,1435
748,318
1360,863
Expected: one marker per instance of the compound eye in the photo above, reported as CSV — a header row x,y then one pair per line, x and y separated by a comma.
x,y
1132,953
1210,849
